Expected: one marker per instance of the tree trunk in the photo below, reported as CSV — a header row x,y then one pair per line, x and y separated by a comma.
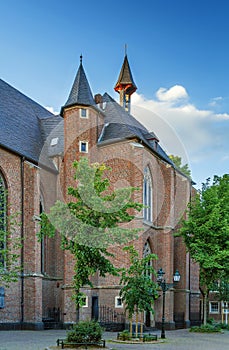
x,y
205,308
136,328
142,326
131,328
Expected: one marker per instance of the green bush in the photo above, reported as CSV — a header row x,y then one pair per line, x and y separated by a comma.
x,y
125,335
148,337
208,328
85,330
224,326
210,320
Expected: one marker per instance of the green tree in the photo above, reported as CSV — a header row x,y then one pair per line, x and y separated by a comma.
x,y
91,222
222,288
138,290
178,162
206,233
9,243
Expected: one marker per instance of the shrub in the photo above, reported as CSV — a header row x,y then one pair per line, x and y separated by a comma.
x,y
149,337
85,330
208,328
125,335
224,326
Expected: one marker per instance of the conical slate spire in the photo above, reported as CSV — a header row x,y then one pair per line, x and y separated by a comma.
x,y
125,80
81,92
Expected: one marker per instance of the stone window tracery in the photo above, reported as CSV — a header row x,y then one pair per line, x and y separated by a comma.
x,y
147,196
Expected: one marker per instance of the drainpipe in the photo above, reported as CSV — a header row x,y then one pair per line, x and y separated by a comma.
x,y
22,240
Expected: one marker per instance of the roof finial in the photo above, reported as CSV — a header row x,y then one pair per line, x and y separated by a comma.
x,y
125,49
81,58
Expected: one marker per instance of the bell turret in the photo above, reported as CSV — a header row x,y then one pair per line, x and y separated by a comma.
x,y
125,85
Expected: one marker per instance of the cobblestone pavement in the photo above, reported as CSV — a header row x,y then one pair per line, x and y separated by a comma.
x,y
182,340
175,340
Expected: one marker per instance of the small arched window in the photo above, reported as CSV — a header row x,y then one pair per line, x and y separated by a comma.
x,y
147,196
146,252
3,214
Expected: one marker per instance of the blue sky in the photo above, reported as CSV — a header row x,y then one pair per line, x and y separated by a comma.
x,y
178,51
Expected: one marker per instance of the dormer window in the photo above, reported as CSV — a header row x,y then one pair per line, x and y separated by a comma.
x,y
54,141
83,113
83,146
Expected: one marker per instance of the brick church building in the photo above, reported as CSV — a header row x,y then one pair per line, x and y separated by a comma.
x,y
37,150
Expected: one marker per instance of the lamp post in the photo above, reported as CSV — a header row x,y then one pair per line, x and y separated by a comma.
x,y
164,287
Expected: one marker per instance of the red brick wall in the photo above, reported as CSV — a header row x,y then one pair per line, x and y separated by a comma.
x,y
34,294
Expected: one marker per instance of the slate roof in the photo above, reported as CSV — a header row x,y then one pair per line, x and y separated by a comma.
x,y
21,121
120,125
80,93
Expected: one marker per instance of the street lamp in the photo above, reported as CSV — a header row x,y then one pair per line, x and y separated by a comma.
x,y
164,287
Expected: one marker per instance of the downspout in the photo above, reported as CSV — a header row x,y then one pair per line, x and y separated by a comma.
x,y
22,240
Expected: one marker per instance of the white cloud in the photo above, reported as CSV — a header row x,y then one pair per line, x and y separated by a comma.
x,y
223,116
214,101
199,136
173,94
51,109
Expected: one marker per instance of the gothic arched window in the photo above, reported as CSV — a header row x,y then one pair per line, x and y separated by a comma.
x,y
147,196
146,252
2,222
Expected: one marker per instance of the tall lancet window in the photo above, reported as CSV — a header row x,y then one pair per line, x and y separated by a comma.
x,y
147,251
2,222
147,196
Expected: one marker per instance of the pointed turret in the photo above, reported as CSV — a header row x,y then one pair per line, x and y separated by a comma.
x,y
125,85
81,92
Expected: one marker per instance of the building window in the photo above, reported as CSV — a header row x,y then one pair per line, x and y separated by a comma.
x,y
225,307
2,222
147,195
147,251
214,307
83,113
2,297
85,301
54,141
43,243
118,302
83,146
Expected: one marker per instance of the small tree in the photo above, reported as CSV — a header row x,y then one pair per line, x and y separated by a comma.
x,y
139,290
178,162
206,233
90,223
9,243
